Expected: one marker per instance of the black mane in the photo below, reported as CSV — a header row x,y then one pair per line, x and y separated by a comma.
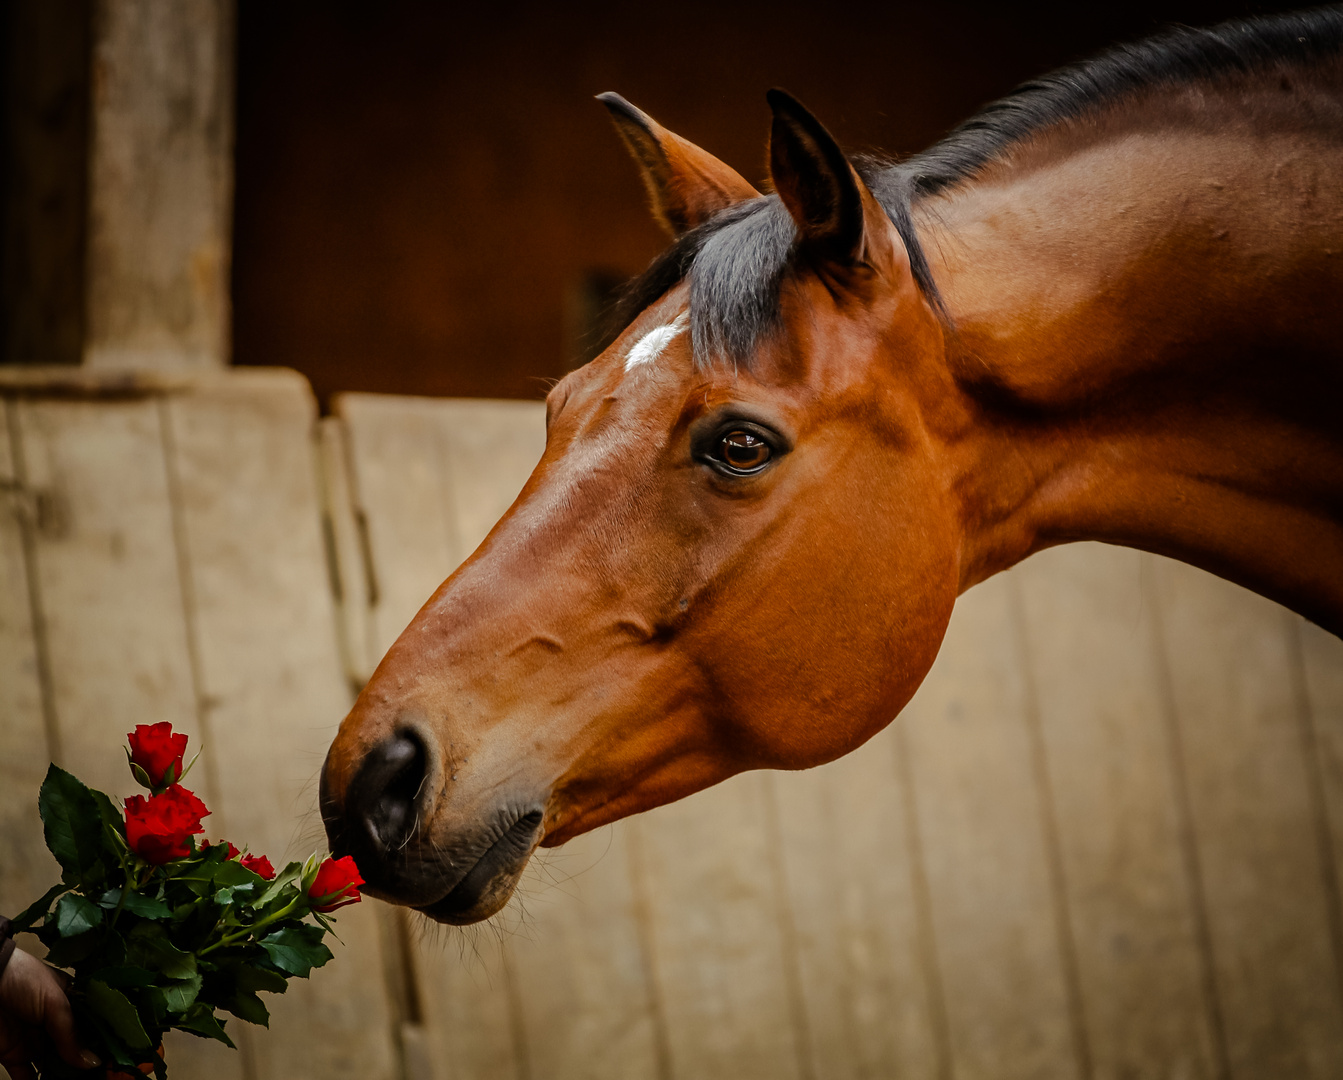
x,y
735,260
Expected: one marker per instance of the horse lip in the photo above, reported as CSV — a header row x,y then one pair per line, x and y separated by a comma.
x,y
505,858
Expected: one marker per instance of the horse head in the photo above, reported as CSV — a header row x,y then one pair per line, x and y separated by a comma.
x,y
739,549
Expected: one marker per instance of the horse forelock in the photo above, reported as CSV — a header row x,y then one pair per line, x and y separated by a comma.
x,y
736,260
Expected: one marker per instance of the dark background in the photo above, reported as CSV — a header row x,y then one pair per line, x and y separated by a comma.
x,y
429,201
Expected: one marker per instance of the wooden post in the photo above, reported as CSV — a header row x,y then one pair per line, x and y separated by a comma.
x,y
160,184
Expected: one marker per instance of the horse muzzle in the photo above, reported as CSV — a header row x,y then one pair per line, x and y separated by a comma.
x,y
455,858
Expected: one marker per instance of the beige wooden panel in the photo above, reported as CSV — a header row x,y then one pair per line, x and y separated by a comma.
x,y
398,471
26,867
717,938
1322,663
844,847
347,537
464,984
1231,678
582,979
271,679
490,449
397,467
980,824
1093,659
108,572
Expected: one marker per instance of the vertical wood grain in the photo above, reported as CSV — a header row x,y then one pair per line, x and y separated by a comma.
x,y
1098,696
469,1022
850,882
581,978
272,684
346,534
106,562
1230,675
1322,663
717,942
26,867
400,488
979,812
402,473
489,450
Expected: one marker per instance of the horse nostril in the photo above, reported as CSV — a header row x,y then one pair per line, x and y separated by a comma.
x,y
386,791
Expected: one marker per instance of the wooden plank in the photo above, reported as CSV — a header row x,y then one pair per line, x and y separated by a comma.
x,y
107,570
160,184
489,450
582,978
469,1023
850,881
1093,660
396,465
1231,683
1322,669
108,574
29,868
245,485
717,940
346,534
980,823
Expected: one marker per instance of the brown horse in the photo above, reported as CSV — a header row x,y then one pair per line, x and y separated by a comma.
x,y
1110,307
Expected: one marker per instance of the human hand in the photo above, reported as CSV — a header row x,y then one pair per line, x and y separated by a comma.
x,y
34,1014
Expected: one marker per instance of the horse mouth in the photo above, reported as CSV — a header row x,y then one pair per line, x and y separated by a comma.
x,y
486,887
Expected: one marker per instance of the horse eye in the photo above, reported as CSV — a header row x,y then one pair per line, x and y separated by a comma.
x,y
742,451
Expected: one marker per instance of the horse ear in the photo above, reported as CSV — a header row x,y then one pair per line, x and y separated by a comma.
x,y
828,200
686,185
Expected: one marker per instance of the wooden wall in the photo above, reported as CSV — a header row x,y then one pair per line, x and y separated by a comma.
x,y
1103,841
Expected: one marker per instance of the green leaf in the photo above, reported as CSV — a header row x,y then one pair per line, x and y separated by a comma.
x,y
247,1006
36,910
148,946
255,978
141,777
118,1013
296,950
136,904
75,915
113,815
234,873
72,823
66,952
180,996
126,975
234,895
106,1045
200,1020
283,878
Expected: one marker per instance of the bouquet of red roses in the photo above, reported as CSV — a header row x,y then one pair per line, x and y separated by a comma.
x,y
159,931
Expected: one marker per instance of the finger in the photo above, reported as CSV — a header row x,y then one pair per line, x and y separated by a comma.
x,y
60,1025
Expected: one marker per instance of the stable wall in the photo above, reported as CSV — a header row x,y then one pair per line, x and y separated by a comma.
x,y
1102,841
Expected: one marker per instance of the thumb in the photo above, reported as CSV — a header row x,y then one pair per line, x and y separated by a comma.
x,y
60,1025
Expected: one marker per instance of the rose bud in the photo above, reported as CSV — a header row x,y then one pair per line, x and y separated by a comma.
x,y
336,884
157,828
232,851
259,864
156,750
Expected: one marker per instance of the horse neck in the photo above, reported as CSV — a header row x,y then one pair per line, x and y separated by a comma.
x,y
1147,347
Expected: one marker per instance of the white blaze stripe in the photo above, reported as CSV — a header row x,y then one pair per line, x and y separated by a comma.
x,y
650,346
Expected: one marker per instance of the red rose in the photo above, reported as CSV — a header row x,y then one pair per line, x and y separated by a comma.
x,y
336,884
157,828
232,851
259,864
159,752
